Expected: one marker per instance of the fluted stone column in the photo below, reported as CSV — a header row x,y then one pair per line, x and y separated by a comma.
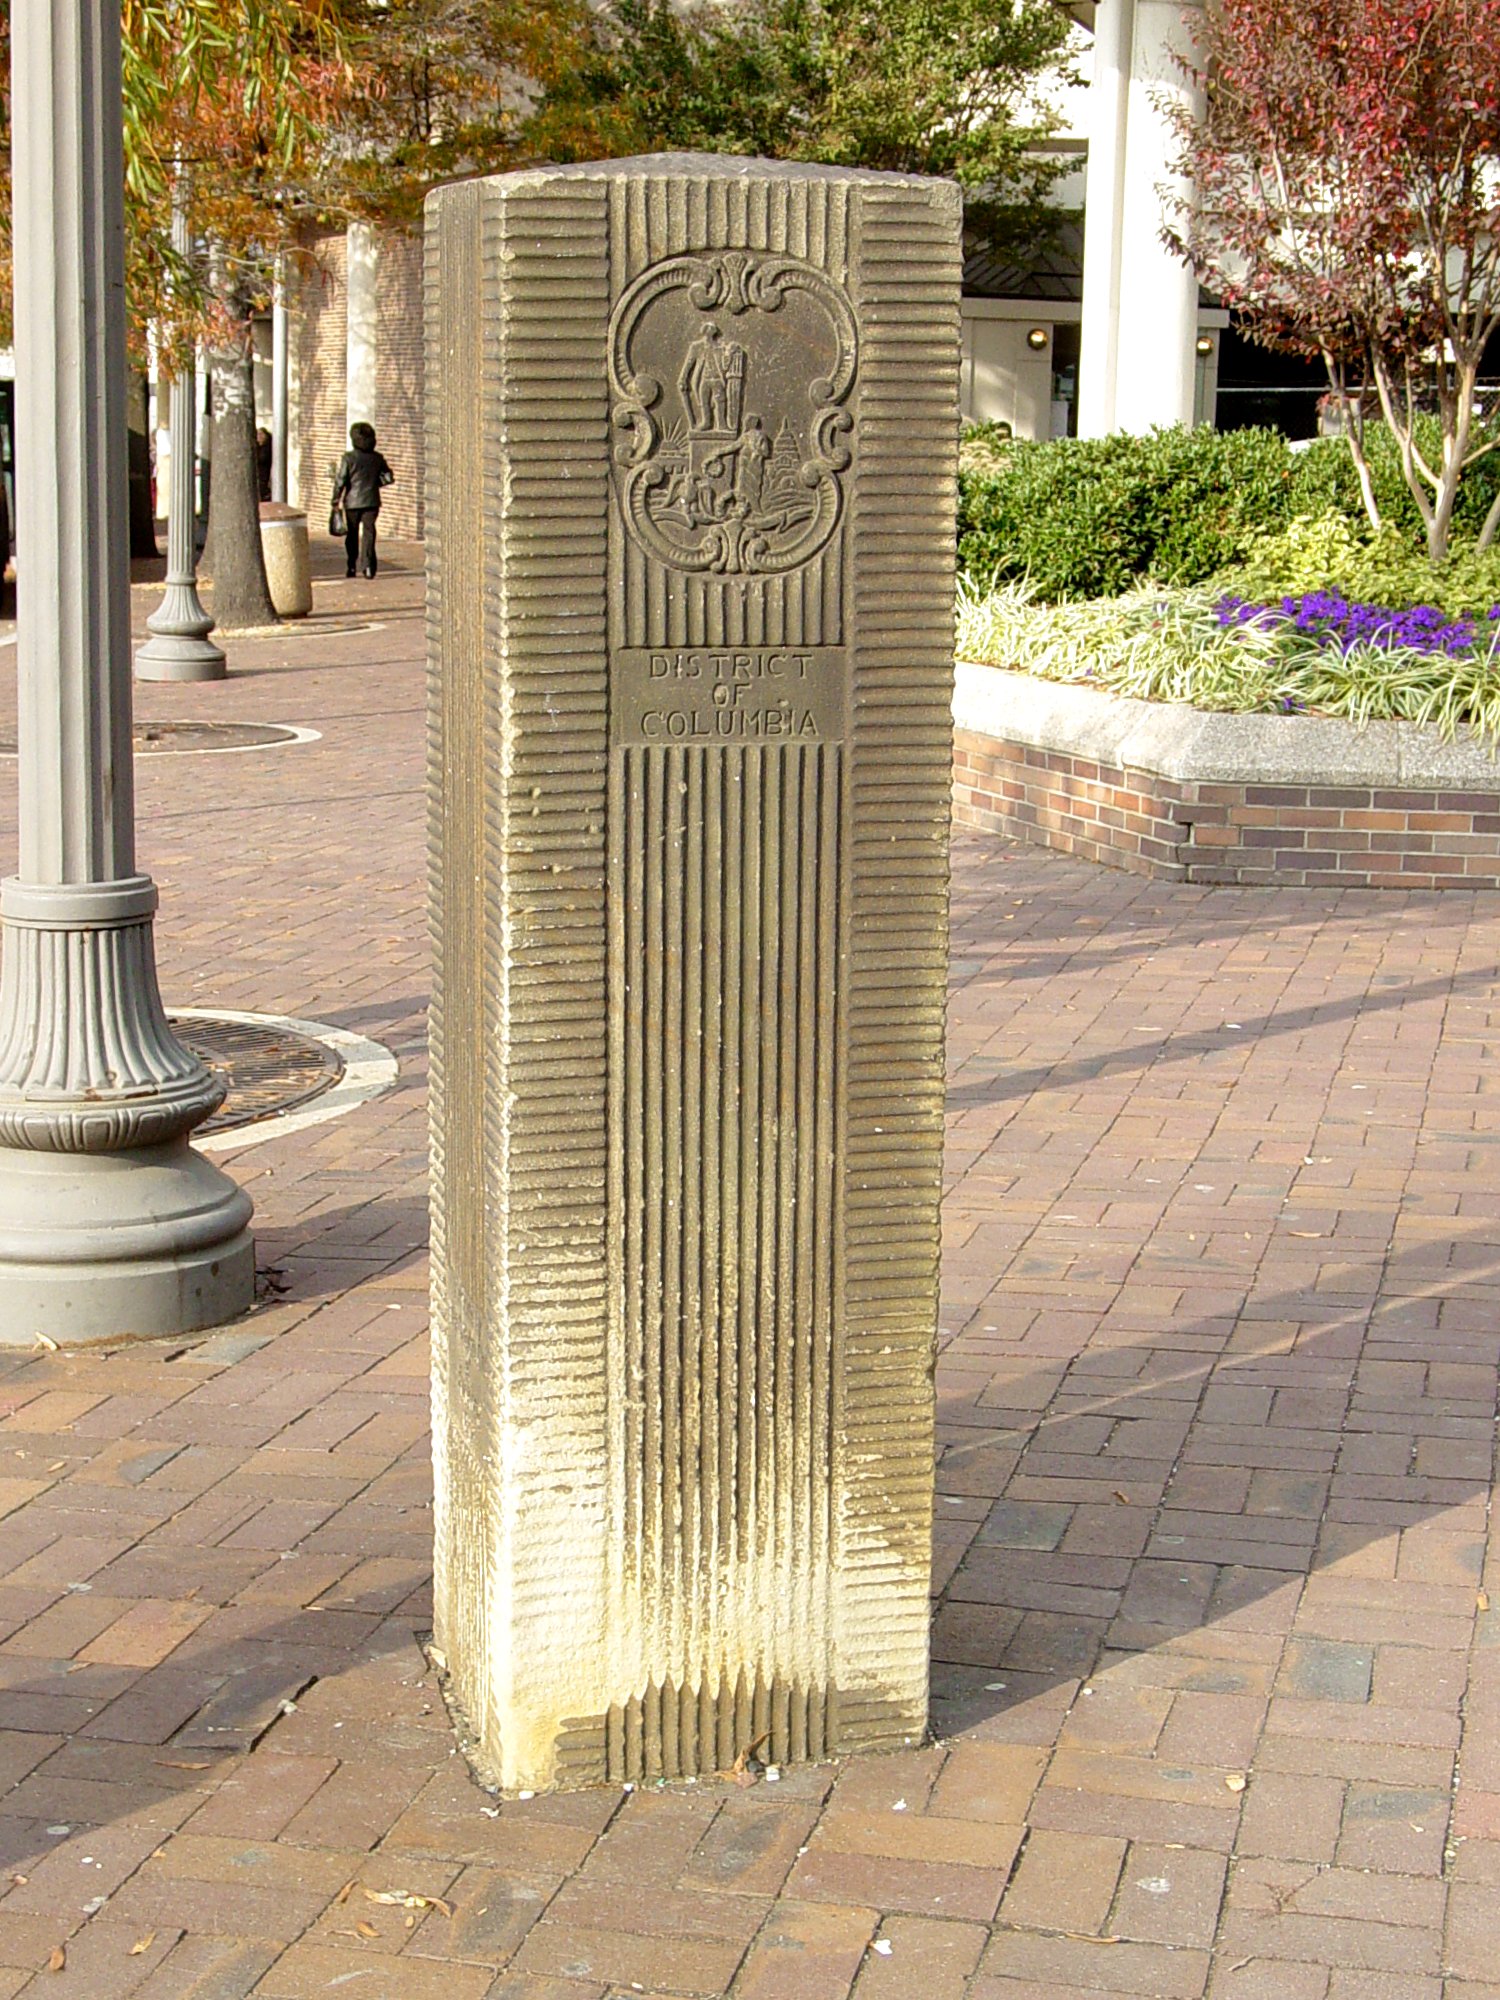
x,y
109,1223
180,648
692,429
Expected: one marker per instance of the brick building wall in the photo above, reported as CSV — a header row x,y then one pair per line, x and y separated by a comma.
x,y
318,334
1317,836
319,375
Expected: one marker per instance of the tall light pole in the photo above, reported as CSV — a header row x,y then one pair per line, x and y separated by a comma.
x,y
179,648
109,1223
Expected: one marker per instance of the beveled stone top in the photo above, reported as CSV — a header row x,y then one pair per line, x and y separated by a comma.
x,y
713,166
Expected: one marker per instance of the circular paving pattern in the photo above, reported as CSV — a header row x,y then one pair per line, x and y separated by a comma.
x,y
158,736
270,1069
152,738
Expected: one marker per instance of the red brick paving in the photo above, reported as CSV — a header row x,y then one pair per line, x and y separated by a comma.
x,y
1216,1681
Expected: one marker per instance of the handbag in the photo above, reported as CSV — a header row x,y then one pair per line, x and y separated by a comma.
x,y
338,526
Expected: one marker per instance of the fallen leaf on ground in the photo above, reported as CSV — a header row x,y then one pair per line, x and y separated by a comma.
x,y
1123,1498
739,1772
59,1957
364,1929
142,1944
408,1899
1235,1782
1483,1600
187,1763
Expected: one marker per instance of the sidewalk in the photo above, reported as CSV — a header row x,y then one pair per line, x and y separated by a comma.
x,y
1217,1681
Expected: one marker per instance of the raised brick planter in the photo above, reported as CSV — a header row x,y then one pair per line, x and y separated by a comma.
x,y
1165,790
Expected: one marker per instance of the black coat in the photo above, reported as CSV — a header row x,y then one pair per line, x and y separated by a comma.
x,y
361,476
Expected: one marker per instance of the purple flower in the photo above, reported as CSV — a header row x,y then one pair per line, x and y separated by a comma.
x,y
1331,620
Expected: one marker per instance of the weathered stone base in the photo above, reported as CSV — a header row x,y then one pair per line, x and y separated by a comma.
x,y
1039,771
672,1732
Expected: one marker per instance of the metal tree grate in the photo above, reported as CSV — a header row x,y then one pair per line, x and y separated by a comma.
x,y
269,1070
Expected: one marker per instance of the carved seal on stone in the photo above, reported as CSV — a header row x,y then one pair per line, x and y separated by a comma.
x,y
730,372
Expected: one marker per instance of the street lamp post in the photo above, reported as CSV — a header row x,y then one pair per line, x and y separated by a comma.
x,y
180,648
109,1223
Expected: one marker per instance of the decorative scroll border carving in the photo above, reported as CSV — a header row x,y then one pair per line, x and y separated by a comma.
x,y
737,282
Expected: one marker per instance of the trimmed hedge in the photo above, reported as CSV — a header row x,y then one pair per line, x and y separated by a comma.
x,y
1090,517
1083,518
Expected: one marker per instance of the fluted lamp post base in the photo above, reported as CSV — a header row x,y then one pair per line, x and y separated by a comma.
x,y
102,1246
179,648
110,1224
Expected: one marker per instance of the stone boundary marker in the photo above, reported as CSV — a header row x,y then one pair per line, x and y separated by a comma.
x,y
1170,791
694,433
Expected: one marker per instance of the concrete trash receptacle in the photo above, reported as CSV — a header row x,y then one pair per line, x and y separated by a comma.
x,y
283,541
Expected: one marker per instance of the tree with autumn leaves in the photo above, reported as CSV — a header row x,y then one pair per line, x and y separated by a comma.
x,y
314,112
1346,205
277,117
269,116
236,135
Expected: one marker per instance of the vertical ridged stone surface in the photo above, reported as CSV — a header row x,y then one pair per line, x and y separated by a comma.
x,y
693,429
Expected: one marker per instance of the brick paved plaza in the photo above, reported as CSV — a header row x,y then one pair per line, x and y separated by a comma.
x,y
1217,1679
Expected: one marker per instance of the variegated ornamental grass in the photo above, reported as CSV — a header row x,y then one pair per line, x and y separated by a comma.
x,y
1317,653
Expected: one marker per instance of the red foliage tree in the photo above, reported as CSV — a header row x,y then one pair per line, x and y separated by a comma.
x,y
1346,169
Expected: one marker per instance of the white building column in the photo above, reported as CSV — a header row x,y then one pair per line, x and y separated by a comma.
x,y
279,422
362,259
1156,369
1103,216
1139,366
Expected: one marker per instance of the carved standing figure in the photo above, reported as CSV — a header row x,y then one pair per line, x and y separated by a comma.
x,y
702,383
750,469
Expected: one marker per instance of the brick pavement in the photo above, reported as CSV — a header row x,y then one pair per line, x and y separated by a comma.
x,y
1217,1684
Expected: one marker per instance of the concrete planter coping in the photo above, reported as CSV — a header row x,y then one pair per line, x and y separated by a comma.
x,y
1195,747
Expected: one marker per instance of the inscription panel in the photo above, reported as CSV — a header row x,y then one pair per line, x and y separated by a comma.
x,y
724,694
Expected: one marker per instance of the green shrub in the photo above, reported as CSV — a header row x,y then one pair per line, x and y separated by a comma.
x,y
983,447
1323,481
1089,517
1093,517
1327,552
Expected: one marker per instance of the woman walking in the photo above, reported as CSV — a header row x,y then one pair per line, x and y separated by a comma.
x,y
361,475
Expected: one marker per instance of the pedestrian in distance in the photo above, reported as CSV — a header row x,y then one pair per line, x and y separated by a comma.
x,y
362,474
